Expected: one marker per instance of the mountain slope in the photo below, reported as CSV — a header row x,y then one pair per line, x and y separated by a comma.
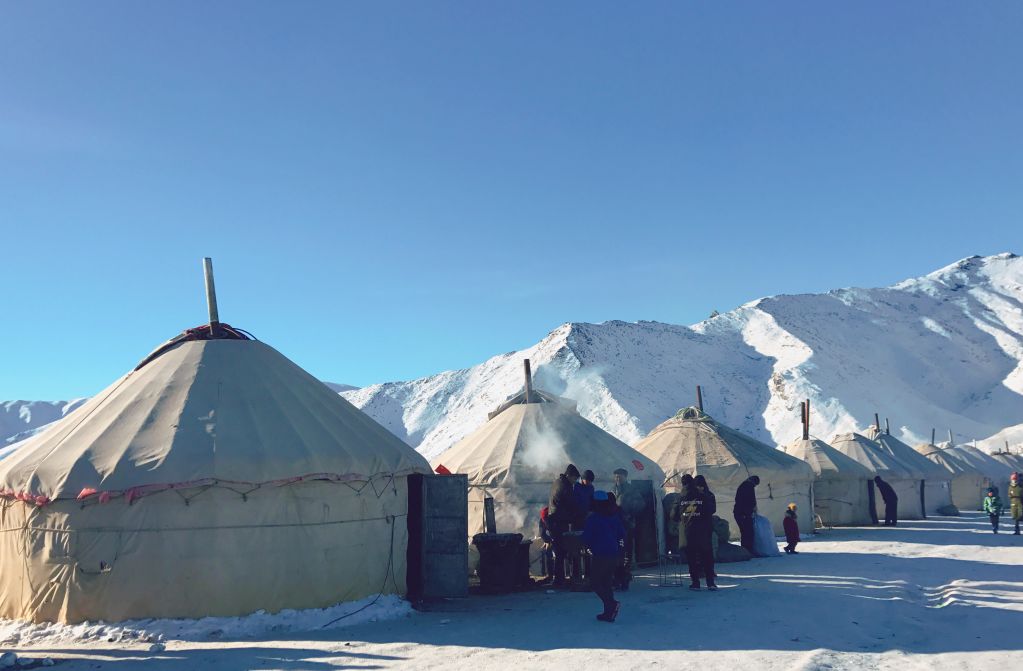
x,y
19,419
943,350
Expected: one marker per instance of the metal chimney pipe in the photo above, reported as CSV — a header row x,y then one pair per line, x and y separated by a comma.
x,y
529,380
877,423
806,421
887,427
950,441
932,437
211,293
699,398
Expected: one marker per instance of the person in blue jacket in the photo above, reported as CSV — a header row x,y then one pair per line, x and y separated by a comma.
x,y
603,534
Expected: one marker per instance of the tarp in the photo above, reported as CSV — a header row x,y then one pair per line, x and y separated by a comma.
x,y
969,484
905,480
516,456
218,479
764,542
840,494
693,442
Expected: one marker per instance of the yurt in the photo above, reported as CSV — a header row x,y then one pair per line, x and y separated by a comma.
x,y
216,478
840,486
693,442
937,490
969,484
995,470
1012,462
905,480
525,444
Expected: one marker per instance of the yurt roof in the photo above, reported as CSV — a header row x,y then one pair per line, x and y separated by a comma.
x,y
827,462
693,442
531,443
910,458
950,460
206,410
868,453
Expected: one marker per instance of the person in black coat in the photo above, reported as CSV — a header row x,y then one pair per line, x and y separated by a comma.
x,y
744,509
891,502
562,513
698,506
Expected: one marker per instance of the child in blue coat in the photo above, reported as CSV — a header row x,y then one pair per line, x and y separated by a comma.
x,y
603,534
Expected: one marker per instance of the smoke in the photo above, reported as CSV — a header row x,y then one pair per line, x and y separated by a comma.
x,y
543,450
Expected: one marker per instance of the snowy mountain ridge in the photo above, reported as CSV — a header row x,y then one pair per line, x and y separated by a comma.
x,y
940,351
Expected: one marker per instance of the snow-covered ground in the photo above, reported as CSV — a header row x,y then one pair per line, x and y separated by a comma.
x,y
941,593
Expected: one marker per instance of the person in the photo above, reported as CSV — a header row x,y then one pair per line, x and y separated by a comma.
x,y
698,506
891,502
1015,495
791,525
603,534
993,508
583,491
744,509
547,551
630,506
562,513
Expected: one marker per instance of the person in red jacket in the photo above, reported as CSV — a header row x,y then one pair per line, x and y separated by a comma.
x,y
791,529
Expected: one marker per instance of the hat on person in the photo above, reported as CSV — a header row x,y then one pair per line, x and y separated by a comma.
x,y
571,471
700,481
600,495
588,475
755,479
792,506
621,471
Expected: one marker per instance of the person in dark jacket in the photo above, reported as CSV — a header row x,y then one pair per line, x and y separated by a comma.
x,y
603,534
583,491
698,506
562,513
791,525
744,509
891,502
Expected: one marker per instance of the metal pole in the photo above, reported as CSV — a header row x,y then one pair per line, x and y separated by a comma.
x,y
950,441
529,380
932,437
699,398
806,420
211,293
887,427
877,423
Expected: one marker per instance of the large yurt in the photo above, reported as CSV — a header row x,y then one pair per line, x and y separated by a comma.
x,y
693,442
1011,462
905,480
969,484
841,485
216,478
937,489
522,448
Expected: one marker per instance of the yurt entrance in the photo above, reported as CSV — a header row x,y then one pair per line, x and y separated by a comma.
x,y
438,548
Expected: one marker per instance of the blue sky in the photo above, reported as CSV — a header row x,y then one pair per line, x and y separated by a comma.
x,y
393,189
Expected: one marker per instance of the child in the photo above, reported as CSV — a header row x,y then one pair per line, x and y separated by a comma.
x,y
993,508
603,534
791,529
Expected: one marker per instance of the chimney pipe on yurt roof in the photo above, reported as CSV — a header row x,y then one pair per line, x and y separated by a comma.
x,y
877,423
887,427
211,294
806,419
529,380
699,399
932,437
950,441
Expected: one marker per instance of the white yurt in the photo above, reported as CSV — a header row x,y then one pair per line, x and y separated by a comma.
x,y
905,480
526,443
840,486
217,478
692,442
969,484
937,480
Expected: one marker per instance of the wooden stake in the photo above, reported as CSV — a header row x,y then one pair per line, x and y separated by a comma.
x,y
211,293
529,380
699,399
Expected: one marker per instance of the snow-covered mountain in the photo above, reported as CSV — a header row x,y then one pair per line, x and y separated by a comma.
x,y
943,350
20,419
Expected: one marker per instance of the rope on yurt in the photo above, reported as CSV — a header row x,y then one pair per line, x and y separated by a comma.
x,y
388,573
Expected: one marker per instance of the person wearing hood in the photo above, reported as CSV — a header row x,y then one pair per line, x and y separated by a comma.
x,y
583,491
603,534
562,513
744,509
1015,495
698,506
791,525
891,502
